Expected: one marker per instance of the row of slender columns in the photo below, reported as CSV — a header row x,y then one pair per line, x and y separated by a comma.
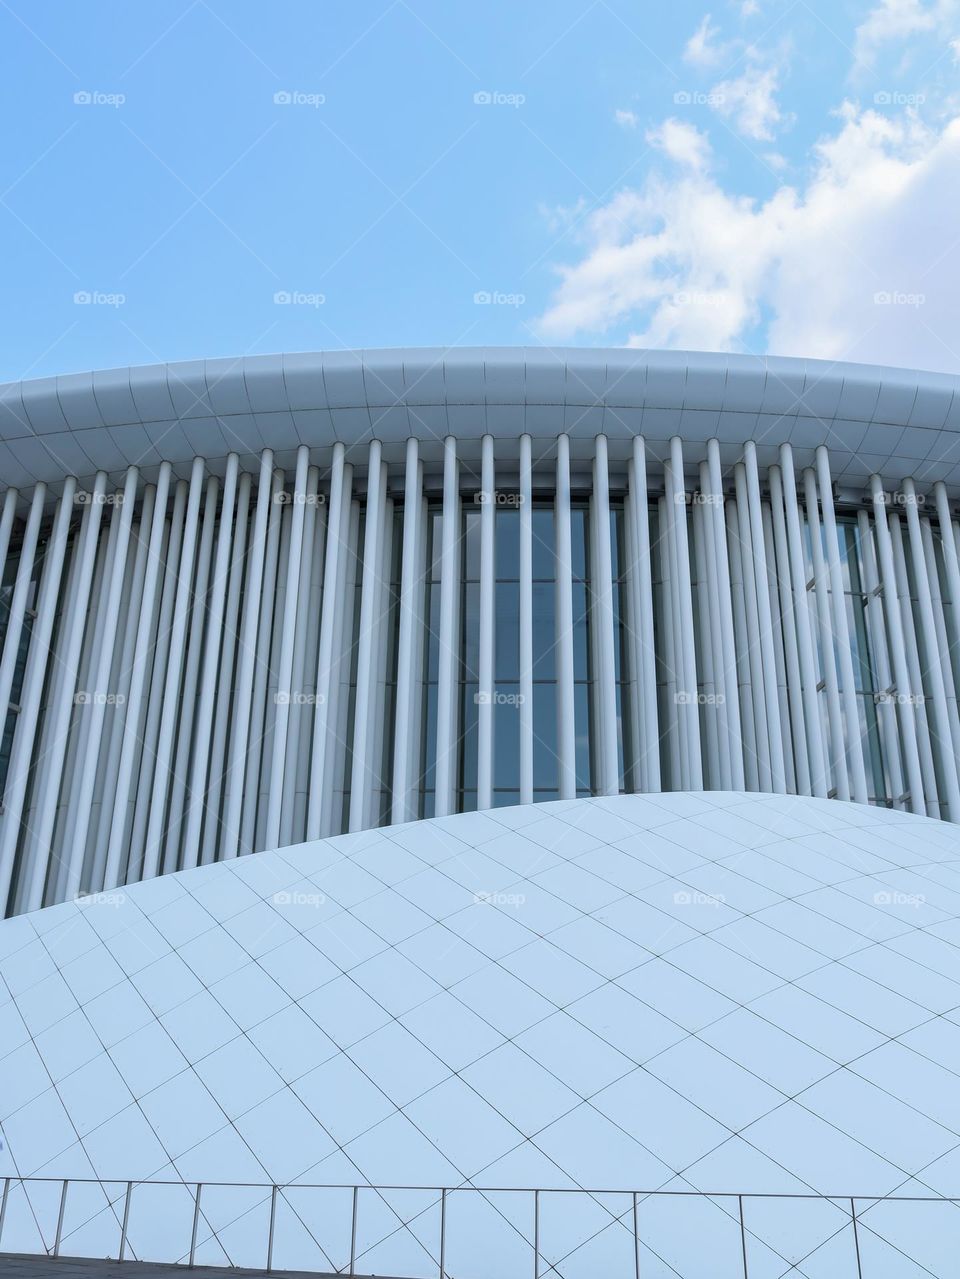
x,y
214,672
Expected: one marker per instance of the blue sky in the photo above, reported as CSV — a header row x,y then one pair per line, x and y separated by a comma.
x,y
203,178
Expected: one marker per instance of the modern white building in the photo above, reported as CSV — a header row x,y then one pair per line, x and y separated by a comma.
x,y
361,611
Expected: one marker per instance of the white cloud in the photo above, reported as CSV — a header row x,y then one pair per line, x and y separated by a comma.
x,y
750,102
703,49
684,262
626,119
894,21
682,142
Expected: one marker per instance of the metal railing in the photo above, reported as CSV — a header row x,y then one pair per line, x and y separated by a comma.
x,y
727,1240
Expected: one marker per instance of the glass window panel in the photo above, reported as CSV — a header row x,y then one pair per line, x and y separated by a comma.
x,y
508,543
506,737
544,545
435,521
507,627
581,708
471,538
578,538
468,750
471,630
544,631
545,765
581,655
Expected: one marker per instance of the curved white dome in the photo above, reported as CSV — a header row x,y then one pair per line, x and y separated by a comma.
x,y
713,992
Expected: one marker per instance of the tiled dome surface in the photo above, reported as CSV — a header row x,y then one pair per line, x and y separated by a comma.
x,y
720,992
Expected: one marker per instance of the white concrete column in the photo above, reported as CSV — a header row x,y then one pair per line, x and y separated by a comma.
x,y
943,739
227,693
720,560
526,620
741,648
644,640
566,722
171,859
858,775
771,701
331,608
7,517
138,612
252,603
136,698
838,746
156,823
203,724
485,688
18,600
448,683
364,765
691,709
287,637
951,564
819,769
147,735
915,692
25,732
792,620
606,684
753,653
885,696
403,805
60,714
100,690
710,744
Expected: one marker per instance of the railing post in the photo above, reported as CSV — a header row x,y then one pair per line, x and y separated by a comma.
x,y
353,1233
3,1203
273,1222
443,1234
636,1239
536,1234
856,1237
126,1220
743,1236
196,1222
63,1204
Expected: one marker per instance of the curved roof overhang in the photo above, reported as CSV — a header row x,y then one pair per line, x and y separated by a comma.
x,y
894,422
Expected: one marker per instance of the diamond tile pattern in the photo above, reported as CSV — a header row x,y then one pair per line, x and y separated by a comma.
x,y
717,992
